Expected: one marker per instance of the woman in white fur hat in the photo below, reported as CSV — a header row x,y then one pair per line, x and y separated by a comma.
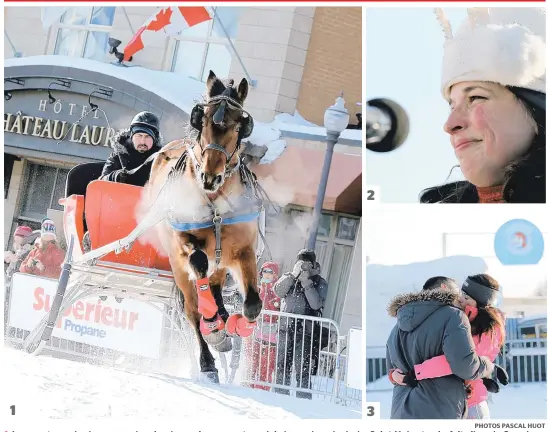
x,y
494,79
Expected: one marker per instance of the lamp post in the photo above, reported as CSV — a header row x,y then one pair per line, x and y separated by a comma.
x,y
335,121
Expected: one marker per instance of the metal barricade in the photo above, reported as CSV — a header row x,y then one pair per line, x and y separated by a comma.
x,y
297,355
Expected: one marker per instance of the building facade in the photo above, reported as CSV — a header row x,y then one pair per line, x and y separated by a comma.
x,y
298,60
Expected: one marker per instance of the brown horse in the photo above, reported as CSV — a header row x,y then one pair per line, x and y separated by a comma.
x,y
213,182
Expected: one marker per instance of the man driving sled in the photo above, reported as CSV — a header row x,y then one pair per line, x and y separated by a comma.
x,y
131,149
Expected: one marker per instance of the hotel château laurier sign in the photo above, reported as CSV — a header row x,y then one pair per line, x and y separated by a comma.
x,y
49,125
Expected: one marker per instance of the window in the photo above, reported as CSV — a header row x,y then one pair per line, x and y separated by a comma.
x,y
45,186
528,332
202,48
346,228
83,32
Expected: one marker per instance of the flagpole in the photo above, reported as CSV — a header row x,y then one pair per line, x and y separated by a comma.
x,y
128,21
252,82
16,53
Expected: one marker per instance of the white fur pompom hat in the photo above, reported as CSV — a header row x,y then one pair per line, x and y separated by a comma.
x,y
501,45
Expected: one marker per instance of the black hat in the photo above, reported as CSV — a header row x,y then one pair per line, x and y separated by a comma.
x,y
146,122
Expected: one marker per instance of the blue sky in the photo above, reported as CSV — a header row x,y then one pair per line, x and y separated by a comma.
x,y
403,63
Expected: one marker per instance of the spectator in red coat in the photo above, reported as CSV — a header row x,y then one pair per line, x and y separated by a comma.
x,y
47,257
261,351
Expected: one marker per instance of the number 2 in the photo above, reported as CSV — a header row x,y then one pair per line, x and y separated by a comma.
x,y
370,195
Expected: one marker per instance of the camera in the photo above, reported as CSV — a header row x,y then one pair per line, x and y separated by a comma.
x,y
113,49
387,125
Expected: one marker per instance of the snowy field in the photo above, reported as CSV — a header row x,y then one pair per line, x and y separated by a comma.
x,y
513,402
52,388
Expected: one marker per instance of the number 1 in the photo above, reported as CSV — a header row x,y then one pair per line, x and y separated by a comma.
x,y
12,409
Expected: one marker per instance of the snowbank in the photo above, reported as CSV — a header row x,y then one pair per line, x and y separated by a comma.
x,y
45,387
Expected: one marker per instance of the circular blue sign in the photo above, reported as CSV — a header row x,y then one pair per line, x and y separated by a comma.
x,y
519,242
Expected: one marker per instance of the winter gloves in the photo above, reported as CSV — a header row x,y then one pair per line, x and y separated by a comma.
x,y
491,384
301,269
120,176
501,374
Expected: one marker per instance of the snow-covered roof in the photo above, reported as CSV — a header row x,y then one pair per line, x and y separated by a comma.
x,y
183,92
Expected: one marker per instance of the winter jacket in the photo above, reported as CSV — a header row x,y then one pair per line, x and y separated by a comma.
x,y
268,330
301,300
126,158
268,296
21,254
524,183
428,325
487,345
52,257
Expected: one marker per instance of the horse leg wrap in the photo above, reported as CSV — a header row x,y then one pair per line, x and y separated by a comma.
x,y
208,326
206,302
214,333
238,325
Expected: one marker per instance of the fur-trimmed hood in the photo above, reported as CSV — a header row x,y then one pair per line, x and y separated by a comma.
x,y
413,308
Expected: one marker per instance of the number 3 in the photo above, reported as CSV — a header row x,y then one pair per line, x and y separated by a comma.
x,y
370,411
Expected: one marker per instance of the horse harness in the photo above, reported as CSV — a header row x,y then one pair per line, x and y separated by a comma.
x,y
252,211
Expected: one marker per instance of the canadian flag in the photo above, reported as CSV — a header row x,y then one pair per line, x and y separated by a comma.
x,y
170,20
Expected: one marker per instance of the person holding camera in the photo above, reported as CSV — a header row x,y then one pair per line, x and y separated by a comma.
x,y
303,292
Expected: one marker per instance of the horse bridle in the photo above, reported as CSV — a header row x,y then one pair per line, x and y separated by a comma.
x,y
224,101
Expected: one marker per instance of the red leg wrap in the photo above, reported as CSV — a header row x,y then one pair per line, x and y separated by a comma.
x,y
239,325
208,327
206,302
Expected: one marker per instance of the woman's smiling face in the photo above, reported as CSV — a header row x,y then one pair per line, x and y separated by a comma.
x,y
489,128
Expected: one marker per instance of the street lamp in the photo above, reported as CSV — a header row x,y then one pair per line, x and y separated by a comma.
x,y
335,121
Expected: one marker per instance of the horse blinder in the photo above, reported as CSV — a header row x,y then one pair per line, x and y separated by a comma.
x,y
197,116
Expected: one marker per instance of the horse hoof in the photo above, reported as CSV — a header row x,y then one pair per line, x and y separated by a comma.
x,y
224,346
212,377
216,338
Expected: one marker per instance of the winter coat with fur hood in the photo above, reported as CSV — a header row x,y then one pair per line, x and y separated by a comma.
x,y
126,158
429,325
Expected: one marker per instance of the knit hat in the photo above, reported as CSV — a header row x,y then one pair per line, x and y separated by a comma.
x,y
143,129
501,45
484,295
307,255
23,231
48,227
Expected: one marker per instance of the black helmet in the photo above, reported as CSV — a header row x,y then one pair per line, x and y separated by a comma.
x,y
146,122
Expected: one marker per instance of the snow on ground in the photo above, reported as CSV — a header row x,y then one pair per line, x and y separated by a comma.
x,y
513,402
52,388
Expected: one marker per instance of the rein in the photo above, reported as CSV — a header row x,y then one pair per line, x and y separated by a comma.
x,y
216,219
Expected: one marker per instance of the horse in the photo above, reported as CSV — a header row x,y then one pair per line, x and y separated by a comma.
x,y
219,186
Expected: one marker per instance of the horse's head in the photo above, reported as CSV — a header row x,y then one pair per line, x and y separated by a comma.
x,y
222,123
